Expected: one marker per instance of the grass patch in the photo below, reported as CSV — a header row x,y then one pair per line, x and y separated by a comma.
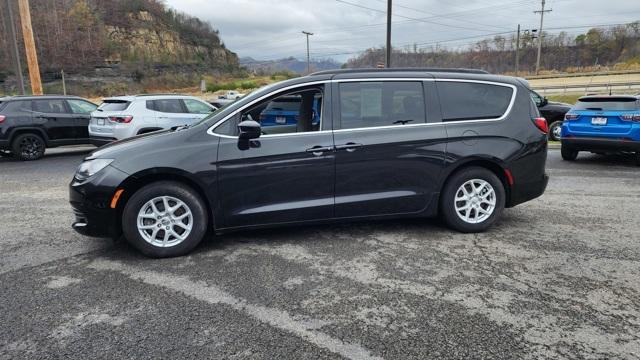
x,y
565,98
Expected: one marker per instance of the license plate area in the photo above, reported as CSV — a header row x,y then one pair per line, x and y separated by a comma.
x,y
281,120
599,121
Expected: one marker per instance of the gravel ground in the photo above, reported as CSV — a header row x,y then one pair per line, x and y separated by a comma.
x,y
558,277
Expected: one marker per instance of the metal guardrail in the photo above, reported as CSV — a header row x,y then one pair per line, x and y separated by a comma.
x,y
608,86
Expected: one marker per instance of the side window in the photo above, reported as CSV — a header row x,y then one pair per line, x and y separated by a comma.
x,y
292,112
56,106
81,106
385,103
197,107
151,104
169,106
18,106
471,101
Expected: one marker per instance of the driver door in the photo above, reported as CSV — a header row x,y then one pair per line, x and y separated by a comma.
x,y
280,177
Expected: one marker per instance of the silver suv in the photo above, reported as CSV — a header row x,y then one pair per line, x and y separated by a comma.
x,y
125,116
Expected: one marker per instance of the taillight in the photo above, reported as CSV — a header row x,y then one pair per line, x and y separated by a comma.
x,y
121,119
570,117
631,117
2,117
541,123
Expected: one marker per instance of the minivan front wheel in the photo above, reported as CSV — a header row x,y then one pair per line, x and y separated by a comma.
x,y
472,200
164,219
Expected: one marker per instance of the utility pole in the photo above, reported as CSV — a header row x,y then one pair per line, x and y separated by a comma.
x,y
14,48
308,55
30,47
388,55
64,84
541,11
518,50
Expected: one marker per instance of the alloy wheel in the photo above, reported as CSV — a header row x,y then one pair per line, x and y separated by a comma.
x,y
30,147
475,201
165,221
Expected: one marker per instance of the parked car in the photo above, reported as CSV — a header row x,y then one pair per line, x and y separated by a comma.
x,y
232,95
602,124
30,124
220,102
126,116
390,143
553,112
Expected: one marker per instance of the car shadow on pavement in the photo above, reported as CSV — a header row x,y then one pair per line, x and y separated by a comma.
x,y
623,159
302,234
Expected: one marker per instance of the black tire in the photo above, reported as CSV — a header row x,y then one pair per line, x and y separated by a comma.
x,y
28,147
568,153
554,129
158,189
448,203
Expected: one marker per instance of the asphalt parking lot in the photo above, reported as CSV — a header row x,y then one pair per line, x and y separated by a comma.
x,y
558,277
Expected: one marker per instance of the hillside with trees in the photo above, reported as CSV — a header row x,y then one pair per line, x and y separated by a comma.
x,y
615,48
117,43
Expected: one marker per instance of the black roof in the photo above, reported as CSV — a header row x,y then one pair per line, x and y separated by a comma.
x,y
31,97
386,70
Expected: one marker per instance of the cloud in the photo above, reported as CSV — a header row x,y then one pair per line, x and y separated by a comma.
x,y
271,29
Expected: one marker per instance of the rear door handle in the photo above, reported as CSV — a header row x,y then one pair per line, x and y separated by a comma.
x,y
350,146
319,150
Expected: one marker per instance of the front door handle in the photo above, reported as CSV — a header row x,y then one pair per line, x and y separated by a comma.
x,y
319,150
350,146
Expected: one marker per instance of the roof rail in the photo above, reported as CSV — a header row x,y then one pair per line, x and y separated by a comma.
x,y
158,94
362,70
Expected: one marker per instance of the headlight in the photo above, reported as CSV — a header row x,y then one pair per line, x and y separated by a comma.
x,y
91,167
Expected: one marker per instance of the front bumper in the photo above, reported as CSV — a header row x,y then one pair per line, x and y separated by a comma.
x,y
90,202
5,144
600,144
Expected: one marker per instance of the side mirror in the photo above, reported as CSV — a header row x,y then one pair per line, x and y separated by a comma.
x,y
249,129
544,101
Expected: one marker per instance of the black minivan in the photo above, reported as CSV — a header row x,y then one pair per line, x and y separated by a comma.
x,y
389,143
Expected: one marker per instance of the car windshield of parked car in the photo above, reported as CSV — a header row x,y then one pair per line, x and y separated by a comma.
x,y
608,103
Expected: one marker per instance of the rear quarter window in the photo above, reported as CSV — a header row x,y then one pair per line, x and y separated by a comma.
x,y
114,105
471,101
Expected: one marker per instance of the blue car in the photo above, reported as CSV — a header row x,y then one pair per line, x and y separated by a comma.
x,y
602,124
283,113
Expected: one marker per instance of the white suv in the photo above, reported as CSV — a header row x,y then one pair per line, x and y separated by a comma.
x,y
125,116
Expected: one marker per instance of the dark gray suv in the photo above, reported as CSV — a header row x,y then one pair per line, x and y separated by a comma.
x,y
389,143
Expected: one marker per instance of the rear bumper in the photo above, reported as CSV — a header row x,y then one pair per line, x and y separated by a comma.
x,y
588,144
523,192
100,141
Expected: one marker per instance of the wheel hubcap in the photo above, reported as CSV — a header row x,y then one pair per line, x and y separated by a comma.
x,y
557,131
165,221
475,201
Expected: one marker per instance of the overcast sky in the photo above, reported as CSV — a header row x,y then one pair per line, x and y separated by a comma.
x,y
271,29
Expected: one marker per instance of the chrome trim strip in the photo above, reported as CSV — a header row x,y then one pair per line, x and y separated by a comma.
x,y
506,113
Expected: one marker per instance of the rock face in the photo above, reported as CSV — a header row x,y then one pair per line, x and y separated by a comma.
x,y
147,38
81,36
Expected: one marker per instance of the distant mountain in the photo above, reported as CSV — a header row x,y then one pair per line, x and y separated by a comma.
x,y
288,64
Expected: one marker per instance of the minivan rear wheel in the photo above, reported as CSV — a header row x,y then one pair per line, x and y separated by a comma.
x,y
472,200
164,219
568,153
